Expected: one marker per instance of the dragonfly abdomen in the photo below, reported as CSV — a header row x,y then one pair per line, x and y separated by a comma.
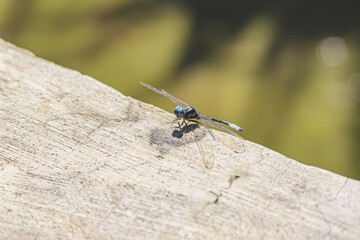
x,y
227,123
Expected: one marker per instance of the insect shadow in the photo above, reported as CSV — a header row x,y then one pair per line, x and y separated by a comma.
x,y
180,131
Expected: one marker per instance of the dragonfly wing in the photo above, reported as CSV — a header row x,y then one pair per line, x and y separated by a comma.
x,y
168,95
175,100
216,125
206,151
205,121
232,144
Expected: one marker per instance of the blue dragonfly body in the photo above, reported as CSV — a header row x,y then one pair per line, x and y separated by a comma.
x,y
188,113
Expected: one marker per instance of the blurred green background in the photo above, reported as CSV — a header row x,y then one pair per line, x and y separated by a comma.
x,y
286,71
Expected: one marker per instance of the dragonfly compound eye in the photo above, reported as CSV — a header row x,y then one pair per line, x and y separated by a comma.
x,y
179,112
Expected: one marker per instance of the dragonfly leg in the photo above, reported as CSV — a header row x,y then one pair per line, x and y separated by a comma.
x,y
184,122
191,120
176,120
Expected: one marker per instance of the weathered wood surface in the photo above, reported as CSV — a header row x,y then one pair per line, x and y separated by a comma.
x,y
78,160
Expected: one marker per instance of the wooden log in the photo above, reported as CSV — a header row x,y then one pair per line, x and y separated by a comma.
x,y
79,160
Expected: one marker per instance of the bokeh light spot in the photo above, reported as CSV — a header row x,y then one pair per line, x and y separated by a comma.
x,y
332,51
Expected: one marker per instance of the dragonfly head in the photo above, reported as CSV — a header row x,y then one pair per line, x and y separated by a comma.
x,y
179,112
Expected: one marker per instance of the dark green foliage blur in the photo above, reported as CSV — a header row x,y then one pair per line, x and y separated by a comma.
x,y
285,71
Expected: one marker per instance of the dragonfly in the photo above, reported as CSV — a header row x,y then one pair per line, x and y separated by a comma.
x,y
186,112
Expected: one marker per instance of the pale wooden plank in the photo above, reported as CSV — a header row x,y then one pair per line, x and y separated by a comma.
x,y
79,160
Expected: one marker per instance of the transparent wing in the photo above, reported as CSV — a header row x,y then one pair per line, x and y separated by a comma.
x,y
216,125
206,150
168,95
203,119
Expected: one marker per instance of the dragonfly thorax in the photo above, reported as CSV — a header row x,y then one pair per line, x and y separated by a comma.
x,y
187,113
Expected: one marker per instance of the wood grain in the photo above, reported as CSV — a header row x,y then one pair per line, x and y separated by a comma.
x,y
79,160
